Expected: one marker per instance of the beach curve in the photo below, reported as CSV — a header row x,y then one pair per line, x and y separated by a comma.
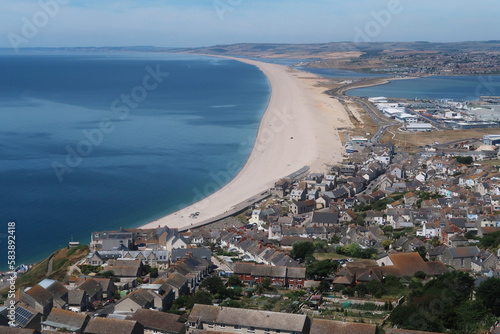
x,y
297,129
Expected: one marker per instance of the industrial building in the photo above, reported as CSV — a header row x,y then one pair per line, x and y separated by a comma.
x,y
491,139
418,127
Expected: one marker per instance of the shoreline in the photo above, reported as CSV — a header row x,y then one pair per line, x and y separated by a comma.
x,y
297,129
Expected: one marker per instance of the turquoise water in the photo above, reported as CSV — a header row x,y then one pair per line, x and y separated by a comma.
x,y
453,87
78,155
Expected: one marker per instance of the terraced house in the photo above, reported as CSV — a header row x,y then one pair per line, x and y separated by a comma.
x,y
214,319
293,277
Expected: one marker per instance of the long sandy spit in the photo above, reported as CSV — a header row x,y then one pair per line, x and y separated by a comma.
x,y
299,128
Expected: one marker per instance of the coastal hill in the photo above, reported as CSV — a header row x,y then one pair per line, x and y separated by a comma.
x,y
404,58
326,49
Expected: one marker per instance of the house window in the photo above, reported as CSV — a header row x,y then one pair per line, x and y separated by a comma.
x,y
267,331
222,325
192,324
210,325
237,327
251,330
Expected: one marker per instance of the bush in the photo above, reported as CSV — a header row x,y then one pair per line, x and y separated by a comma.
x,y
338,288
324,286
234,281
420,274
153,273
464,160
301,249
87,269
348,292
107,274
232,303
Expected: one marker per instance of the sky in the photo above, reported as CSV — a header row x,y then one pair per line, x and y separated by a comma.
x,y
192,23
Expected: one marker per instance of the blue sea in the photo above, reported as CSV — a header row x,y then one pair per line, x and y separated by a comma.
x,y
102,141
459,88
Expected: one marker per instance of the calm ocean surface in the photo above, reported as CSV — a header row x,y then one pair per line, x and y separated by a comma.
x,y
435,88
148,158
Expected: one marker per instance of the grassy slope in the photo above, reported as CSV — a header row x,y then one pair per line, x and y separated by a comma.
x,y
61,261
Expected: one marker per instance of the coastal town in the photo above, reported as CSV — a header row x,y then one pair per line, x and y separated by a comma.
x,y
346,250
250,167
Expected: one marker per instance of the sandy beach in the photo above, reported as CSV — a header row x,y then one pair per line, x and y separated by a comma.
x,y
299,128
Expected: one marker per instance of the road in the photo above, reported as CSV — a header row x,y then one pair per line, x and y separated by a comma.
x,y
221,265
383,123
234,210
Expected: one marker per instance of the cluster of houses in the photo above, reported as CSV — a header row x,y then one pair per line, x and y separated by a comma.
x,y
443,205
123,255
394,264
52,306
448,204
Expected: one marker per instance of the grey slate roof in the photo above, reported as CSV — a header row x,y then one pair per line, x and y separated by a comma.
x,y
249,318
66,318
463,252
75,297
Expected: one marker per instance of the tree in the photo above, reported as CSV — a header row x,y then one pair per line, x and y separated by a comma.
x,y
437,305
213,285
321,269
386,244
435,242
348,291
373,287
200,297
320,244
234,281
335,239
301,249
492,240
353,249
324,286
361,290
423,252
369,253
338,287
464,160
420,274
153,273
488,293
266,283
470,316
388,229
